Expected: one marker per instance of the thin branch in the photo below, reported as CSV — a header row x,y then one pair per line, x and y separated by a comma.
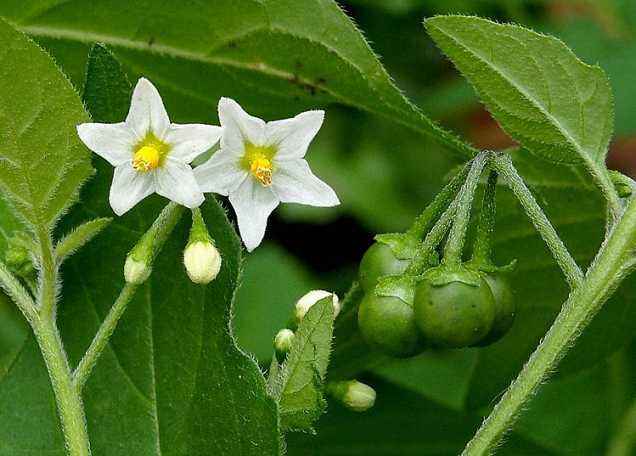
x,y
88,361
601,281
18,293
506,169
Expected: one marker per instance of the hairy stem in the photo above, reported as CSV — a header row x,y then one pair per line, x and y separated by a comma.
x,y
85,366
433,238
603,180
503,165
12,286
455,243
426,219
67,397
485,226
601,280
48,276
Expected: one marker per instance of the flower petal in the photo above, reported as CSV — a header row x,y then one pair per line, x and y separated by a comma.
x,y
175,180
113,142
253,203
220,174
147,113
191,140
294,182
239,127
129,187
292,136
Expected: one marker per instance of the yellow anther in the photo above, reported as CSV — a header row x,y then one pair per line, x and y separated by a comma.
x,y
261,169
146,159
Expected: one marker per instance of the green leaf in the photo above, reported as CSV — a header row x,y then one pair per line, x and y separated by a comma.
x,y
538,90
42,162
300,384
80,236
171,381
273,56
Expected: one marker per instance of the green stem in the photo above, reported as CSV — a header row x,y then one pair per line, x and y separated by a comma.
x,y
427,218
12,286
67,397
455,243
88,361
48,276
604,181
503,165
602,279
483,239
433,238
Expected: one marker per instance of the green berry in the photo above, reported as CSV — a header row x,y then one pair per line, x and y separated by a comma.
x,y
504,307
453,307
379,261
387,325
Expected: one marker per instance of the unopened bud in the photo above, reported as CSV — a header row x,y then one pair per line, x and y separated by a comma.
x,y
18,256
306,302
139,261
201,258
283,342
136,271
202,262
353,394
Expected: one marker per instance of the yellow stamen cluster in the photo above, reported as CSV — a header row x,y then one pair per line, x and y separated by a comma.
x,y
146,159
261,169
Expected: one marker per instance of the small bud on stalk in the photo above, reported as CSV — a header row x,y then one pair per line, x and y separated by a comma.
x,y
136,271
283,342
18,256
139,261
353,394
201,258
304,303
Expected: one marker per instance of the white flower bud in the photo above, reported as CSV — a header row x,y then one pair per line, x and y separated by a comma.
x,y
202,262
359,397
304,304
136,272
283,341
353,394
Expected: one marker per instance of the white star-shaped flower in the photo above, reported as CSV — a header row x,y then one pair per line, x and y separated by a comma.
x,y
260,164
149,153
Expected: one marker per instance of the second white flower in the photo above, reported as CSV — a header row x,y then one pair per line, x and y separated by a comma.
x,y
260,164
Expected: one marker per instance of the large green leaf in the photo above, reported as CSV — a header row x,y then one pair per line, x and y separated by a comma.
x,y
42,162
171,380
276,56
538,90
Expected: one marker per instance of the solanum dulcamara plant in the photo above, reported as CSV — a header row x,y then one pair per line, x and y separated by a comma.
x,y
167,282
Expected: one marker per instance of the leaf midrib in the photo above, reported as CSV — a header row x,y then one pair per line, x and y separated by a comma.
x,y
177,52
536,103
